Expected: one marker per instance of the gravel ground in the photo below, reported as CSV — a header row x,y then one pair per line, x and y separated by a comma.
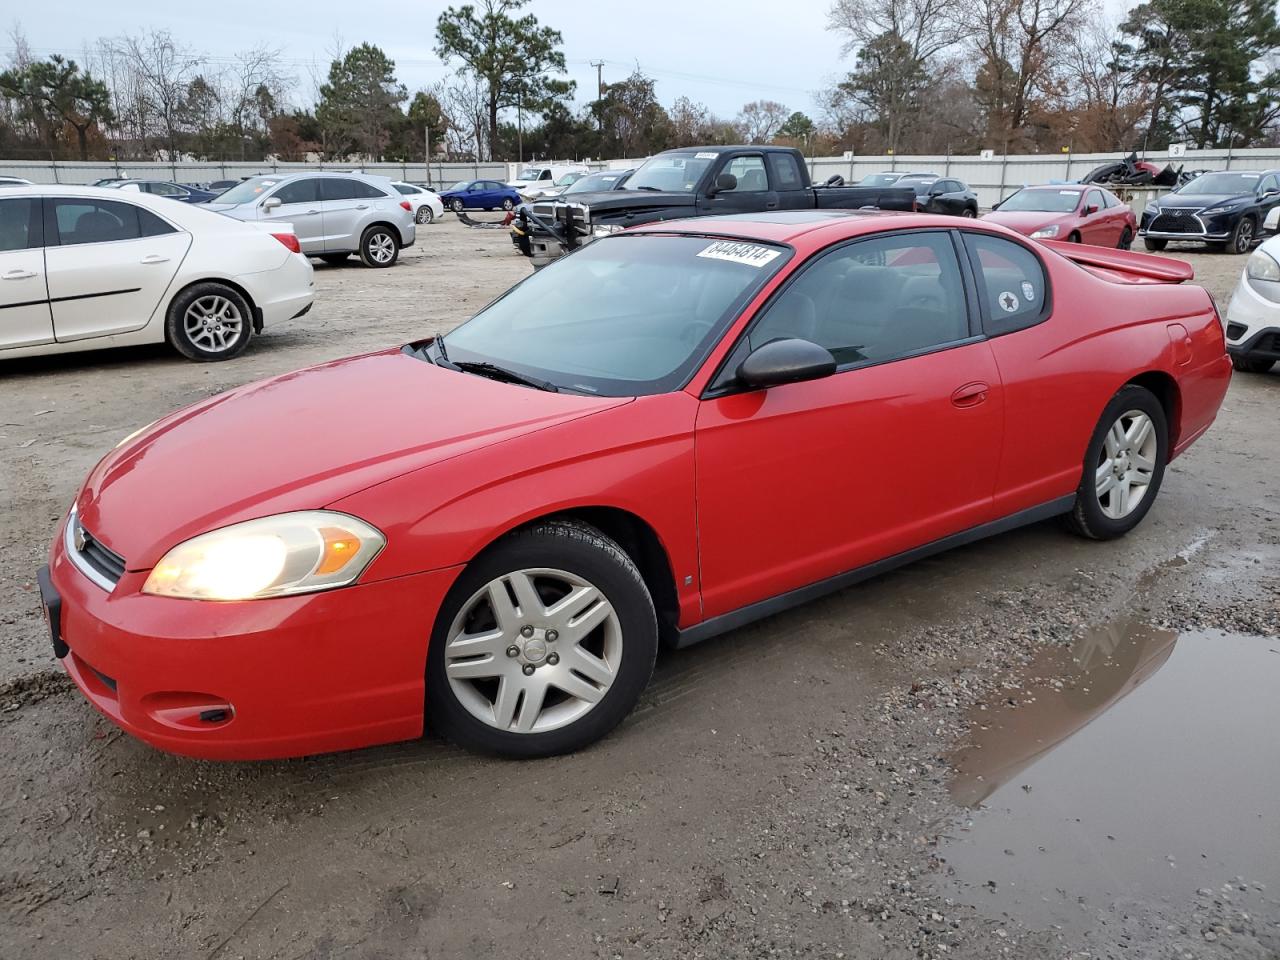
x,y
781,791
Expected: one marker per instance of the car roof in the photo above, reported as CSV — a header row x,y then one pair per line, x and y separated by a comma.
x,y
825,225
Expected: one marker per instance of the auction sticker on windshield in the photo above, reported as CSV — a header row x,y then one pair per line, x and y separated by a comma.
x,y
705,156
752,254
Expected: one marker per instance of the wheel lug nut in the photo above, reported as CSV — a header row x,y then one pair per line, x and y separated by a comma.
x,y
553,659
526,631
528,669
513,651
553,636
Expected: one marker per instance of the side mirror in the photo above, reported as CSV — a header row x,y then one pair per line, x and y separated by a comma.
x,y
785,361
726,181
271,203
1090,210
936,191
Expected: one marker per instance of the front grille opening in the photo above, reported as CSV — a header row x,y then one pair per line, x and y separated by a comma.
x,y
92,556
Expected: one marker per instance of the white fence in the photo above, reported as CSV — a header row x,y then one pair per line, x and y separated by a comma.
x,y
992,178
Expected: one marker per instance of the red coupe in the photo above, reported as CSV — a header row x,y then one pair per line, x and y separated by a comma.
x,y
668,434
1074,212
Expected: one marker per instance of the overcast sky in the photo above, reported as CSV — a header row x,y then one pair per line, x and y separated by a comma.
x,y
722,54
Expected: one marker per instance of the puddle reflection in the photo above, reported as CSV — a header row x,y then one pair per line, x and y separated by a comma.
x,y
1137,765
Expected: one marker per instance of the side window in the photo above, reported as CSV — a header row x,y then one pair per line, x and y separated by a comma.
x,y
149,225
1011,283
366,191
21,224
874,300
338,188
1094,199
94,221
750,174
1109,200
545,175
406,189
1269,184
167,190
299,191
785,172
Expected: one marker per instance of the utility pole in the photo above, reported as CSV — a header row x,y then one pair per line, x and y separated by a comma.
x,y
599,65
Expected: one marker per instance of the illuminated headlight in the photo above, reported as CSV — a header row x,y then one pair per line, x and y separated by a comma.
x,y
135,433
269,557
1044,233
605,229
1262,266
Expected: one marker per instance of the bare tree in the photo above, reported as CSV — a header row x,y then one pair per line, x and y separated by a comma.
x,y
252,86
928,26
1104,100
761,119
464,99
164,69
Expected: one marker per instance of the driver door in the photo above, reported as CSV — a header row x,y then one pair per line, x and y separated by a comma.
x,y
300,207
900,447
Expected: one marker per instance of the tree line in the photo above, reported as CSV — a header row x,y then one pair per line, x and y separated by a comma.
x,y
920,76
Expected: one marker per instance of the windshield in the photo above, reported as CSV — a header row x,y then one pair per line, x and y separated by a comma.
x,y
672,172
880,179
568,179
1042,201
249,190
530,173
625,316
1222,184
597,181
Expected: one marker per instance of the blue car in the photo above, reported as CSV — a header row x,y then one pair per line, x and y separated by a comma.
x,y
479,195
163,188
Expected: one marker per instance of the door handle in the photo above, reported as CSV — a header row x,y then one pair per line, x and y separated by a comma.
x,y
772,205
362,206
312,213
19,275
971,394
155,258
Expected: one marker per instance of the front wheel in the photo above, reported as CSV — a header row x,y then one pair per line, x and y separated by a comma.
x,y
1073,237
1126,239
1123,466
1241,237
378,247
209,321
456,206
1252,364
1154,244
543,644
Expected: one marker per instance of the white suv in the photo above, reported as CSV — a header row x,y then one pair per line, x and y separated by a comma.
x,y
1253,318
333,214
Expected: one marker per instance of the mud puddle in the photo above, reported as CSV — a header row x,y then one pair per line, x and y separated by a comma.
x,y
1133,771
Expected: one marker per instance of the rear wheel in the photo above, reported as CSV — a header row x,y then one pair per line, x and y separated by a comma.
x,y
378,247
543,644
1241,237
970,212
424,214
1252,364
209,321
1123,466
508,204
1126,239
1154,244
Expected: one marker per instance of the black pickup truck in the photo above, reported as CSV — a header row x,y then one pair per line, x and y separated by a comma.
x,y
691,182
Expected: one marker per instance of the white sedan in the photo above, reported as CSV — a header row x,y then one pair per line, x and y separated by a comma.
x,y
426,203
82,268
1253,316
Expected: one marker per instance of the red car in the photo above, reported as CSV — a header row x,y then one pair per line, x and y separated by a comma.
x,y
1077,213
670,433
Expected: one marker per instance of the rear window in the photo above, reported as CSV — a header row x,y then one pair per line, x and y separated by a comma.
x,y
1011,283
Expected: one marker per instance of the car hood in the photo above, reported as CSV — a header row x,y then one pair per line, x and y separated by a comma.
x,y
301,441
1196,201
618,202
1028,221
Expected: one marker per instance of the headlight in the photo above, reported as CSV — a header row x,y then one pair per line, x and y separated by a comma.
x,y
1222,208
605,229
1262,266
269,557
1045,232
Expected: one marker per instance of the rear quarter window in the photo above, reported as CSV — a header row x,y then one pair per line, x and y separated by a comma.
x,y
1012,284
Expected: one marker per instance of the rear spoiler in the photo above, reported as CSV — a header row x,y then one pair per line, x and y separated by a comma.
x,y
1143,265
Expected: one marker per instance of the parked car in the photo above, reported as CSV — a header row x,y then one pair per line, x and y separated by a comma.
x,y
537,175
164,188
663,437
1226,210
692,182
935,194
555,189
479,195
108,181
91,267
1071,212
221,186
14,182
333,214
600,182
888,178
427,204
1253,317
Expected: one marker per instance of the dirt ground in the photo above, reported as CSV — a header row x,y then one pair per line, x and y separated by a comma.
x,y
791,789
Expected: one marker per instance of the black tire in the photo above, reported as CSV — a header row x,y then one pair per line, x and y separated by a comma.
x,y
1242,236
508,204
1126,239
970,212
181,339
1086,517
424,215
334,259
575,548
1252,364
456,206
1153,244
1073,237
379,247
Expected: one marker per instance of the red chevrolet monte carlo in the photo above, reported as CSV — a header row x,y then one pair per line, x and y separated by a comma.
x,y
672,432
1075,212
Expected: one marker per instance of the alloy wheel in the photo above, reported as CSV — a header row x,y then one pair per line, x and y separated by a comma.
x,y
213,323
533,650
1126,464
424,215
382,249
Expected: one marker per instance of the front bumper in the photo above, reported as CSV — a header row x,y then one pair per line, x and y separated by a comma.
x,y
1253,323
283,677
1187,225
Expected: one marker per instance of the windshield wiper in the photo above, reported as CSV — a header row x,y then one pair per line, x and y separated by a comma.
x,y
645,187
495,372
